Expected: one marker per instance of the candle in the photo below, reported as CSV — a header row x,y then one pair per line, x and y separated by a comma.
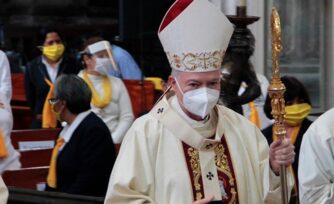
x,y
241,3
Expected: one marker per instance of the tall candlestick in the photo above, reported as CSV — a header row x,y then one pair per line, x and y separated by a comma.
x,y
241,3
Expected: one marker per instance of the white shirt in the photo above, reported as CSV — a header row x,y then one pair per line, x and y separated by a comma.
x,y
68,130
52,71
316,162
11,162
118,115
5,78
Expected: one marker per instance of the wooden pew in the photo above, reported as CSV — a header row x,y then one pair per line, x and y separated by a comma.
x,y
26,177
40,155
34,145
35,158
141,94
22,117
34,162
21,111
18,136
18,96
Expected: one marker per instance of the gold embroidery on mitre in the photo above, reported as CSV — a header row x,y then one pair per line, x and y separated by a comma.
x,y
223,166
196,170
196,61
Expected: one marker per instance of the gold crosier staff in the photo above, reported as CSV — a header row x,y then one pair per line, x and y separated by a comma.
x,y
276,92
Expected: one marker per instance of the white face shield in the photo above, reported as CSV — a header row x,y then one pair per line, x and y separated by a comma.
x,y
102,53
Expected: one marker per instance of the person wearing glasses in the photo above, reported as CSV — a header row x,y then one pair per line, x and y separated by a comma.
x,y
84,154
110,100
41,74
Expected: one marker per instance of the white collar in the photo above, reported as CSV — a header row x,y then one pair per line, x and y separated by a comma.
x,y
206,127
44,61
68,130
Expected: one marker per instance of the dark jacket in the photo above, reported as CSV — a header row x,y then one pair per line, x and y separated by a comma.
x,y
85,163
35,87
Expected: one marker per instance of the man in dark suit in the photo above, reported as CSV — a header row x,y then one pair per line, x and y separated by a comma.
x,y
84,155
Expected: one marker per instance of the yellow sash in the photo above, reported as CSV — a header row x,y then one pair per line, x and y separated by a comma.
x,y
254,115
52,175
96,99
3,148
49,119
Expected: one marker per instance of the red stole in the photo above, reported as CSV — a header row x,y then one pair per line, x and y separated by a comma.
x,y
224,169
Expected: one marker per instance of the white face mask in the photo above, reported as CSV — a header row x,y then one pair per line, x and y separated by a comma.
x,y
200,101
103,66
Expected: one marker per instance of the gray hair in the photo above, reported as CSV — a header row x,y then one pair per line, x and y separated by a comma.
x,y
74,91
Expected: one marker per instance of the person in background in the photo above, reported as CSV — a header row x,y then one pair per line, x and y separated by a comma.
x,y
297,108
124,65
254,109
188,149
5,79
127,66
316,162
41,74
110,100
84,155
9,157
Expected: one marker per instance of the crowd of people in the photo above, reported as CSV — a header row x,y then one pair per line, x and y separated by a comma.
x,y
188,148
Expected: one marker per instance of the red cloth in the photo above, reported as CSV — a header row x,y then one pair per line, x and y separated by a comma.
x,y
173,12
225,172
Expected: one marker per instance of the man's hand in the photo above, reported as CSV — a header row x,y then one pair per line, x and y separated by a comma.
x,y
204,200
281,152
2,105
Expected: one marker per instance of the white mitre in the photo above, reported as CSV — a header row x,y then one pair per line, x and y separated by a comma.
x,y
195,35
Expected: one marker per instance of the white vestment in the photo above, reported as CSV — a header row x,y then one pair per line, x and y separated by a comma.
x,y
3,192
5,78
316,162
151,166
118,115
11,162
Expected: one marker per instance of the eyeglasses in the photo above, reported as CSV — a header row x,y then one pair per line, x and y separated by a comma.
x,y
53,101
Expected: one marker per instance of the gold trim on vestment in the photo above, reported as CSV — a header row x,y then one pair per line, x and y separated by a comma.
x,y
196,61
223,166
196,170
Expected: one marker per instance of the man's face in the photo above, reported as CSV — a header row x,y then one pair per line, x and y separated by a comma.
x,y
195,80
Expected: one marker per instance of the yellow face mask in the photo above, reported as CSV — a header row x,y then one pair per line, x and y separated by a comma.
x,y
296,113
54,52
